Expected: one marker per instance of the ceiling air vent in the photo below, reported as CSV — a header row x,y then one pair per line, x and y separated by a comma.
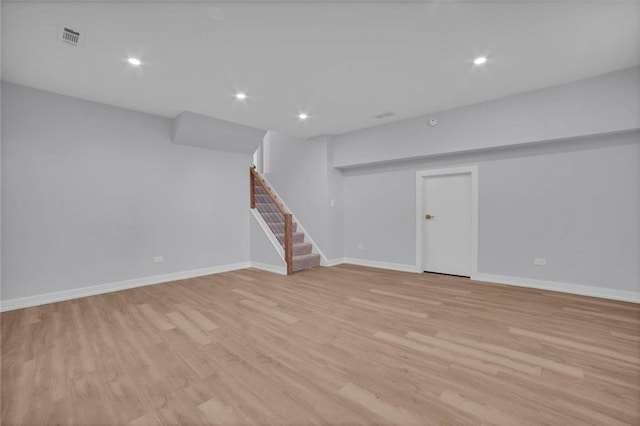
x,y
384,115
70,36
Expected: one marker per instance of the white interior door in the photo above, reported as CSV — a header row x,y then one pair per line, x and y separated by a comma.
x,y
447,225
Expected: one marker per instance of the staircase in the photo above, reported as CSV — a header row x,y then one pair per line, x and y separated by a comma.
x,y
298,253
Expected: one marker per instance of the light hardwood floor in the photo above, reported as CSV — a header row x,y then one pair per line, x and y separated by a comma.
x,y
342,345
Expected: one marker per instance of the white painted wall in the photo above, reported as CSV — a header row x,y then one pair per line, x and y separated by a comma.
x,y
301,173
576,203
202,131
335,225
0,149
599,105
91,193
263,252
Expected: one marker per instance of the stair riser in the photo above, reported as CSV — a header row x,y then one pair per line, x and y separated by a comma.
x,y
278,228
305,262
259,191
267,208
298,237
273,217
300,249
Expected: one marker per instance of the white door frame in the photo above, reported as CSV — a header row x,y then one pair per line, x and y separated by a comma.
x,y
420,177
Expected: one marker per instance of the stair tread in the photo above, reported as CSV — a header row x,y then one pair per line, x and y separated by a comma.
x,y
278,227
302,248
296,237
276,222
306,256
274,217
305,261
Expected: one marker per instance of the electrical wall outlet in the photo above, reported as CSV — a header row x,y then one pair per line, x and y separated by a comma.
x,y
360,247
158,259
540,261
332,202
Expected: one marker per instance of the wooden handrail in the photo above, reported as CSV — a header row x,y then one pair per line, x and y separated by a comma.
x,y
254,177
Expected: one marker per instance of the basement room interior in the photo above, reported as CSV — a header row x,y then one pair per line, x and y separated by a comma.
x,y
320,212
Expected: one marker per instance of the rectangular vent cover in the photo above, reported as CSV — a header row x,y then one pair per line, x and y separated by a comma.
x,y
384,115
70,36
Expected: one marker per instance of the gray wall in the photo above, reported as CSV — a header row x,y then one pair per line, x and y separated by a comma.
x,y
575,203
605,104
202,131
301,173
262,250
91,193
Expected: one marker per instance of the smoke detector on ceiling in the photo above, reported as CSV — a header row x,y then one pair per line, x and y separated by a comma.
x,y
70,36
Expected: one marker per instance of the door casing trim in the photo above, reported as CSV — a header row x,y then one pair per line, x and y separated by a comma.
x,y
420,178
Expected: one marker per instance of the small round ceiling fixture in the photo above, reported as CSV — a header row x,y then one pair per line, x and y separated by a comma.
x,y
480,60
241,96
134,61
303,116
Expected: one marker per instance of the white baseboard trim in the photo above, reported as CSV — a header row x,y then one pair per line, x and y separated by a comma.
x,y
59,296
333,262
584,290
282,270
382,265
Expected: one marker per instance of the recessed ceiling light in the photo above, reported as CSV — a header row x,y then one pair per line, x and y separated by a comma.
x,y
480,60
241,96
303,116
134,61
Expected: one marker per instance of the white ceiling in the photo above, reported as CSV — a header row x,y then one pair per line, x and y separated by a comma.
x,y
342,63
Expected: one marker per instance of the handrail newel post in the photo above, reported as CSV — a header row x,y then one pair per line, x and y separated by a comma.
x,y
288,243
252,183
